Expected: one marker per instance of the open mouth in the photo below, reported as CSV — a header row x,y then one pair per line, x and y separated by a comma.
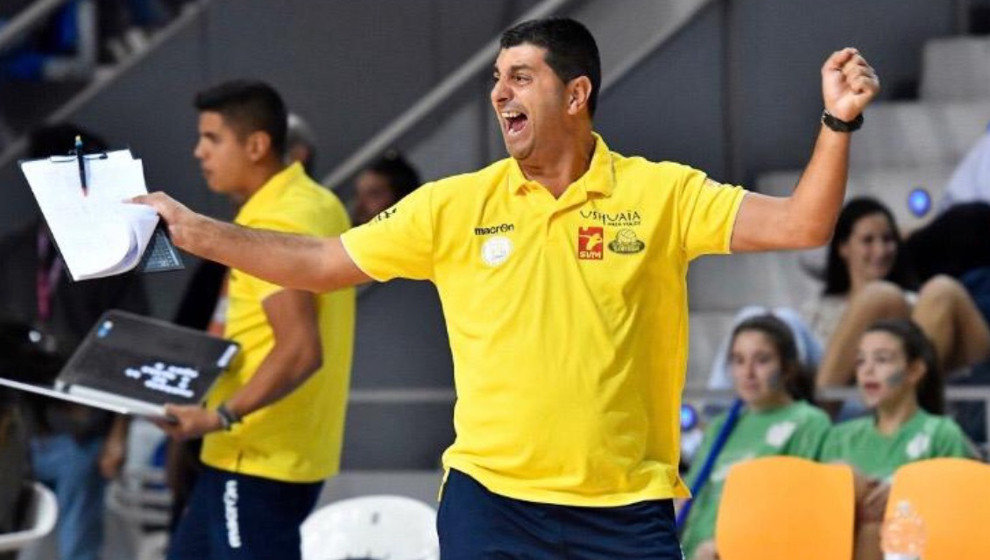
x,y
870,386
515,121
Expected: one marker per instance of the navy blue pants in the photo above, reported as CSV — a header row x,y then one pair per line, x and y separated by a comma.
x,y
475,524
234,516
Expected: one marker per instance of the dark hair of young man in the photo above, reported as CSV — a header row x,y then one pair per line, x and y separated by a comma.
x,y
401,176
571,49
247,107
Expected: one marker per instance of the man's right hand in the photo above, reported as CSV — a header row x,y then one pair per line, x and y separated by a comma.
x,y
179,218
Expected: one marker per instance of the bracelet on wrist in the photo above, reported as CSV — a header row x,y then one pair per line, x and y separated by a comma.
x,y
227,417
839,125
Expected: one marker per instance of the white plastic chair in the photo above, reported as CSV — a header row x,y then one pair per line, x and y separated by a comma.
x,y
39,519
371,527
141,500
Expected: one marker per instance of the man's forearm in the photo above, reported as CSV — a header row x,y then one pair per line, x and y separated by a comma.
x,y
316,264
814,206
289,260
280,373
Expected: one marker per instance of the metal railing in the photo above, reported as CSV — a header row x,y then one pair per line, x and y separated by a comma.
x,y
31,17
953,393
479,62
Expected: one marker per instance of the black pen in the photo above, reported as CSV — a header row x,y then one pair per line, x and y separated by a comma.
x,y
82,166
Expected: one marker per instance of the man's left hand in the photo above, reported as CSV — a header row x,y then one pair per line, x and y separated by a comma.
x,y
848,84
189,422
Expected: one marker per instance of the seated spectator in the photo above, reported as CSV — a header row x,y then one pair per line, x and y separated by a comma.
x,y
900,383
809,349
19,357
867,279
936,249
382,184
774,419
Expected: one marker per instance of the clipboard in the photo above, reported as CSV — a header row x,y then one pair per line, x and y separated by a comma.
x,y
75,205
131,364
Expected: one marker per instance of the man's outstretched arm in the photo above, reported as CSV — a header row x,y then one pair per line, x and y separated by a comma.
x,y
295,261
807,217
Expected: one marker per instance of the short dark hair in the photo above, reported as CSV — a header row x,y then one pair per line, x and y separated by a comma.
x,y
571,49
796,379
402,178
917,346
837,281
60,139
248,106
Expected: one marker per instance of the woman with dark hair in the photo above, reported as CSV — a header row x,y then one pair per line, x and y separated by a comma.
x,y
867,279
900,383
772,417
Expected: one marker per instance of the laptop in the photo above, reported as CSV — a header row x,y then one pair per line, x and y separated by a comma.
x,y
130,364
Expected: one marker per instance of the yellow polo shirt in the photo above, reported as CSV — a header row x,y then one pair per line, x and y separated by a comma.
x,y
567,318
298,438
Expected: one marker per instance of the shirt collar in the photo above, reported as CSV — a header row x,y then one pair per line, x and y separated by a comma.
x,y
272,190
599,177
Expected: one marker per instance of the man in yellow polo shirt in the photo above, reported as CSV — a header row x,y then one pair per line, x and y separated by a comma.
x,y
562,276
274,423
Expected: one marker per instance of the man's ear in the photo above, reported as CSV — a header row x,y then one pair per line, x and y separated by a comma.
x,y
258,145
578,94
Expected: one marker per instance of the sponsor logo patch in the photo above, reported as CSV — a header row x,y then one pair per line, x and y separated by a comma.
x,y
626,242
492,230
496,250
591,243
627,218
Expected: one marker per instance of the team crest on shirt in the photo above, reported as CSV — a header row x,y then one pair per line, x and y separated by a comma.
x,y
779,433
591,243
496,250
918,446
626,242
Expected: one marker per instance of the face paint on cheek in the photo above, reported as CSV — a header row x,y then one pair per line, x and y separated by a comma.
x,y
775,381
896,379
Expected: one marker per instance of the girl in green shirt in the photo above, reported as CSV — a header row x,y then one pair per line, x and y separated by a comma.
x,y
768,379
899,381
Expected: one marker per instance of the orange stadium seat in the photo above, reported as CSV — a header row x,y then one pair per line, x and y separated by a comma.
x,y
777,508
953,498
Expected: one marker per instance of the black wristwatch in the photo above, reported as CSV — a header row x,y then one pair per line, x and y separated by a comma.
x,y
227,417
839,125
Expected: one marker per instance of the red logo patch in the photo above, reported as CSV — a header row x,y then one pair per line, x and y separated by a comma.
x,y
591,243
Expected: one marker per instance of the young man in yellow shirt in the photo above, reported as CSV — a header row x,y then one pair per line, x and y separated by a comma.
x,y
273,424
562,275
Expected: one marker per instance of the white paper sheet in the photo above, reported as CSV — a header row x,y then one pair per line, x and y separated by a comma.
x,y
97,233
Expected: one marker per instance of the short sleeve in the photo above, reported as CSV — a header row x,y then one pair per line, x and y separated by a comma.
x,y
950,441
398,243
707,211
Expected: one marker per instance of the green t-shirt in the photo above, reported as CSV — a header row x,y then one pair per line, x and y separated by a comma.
x,y
796,430
923,436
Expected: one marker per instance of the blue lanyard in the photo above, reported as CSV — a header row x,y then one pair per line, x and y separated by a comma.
x,y
706,468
